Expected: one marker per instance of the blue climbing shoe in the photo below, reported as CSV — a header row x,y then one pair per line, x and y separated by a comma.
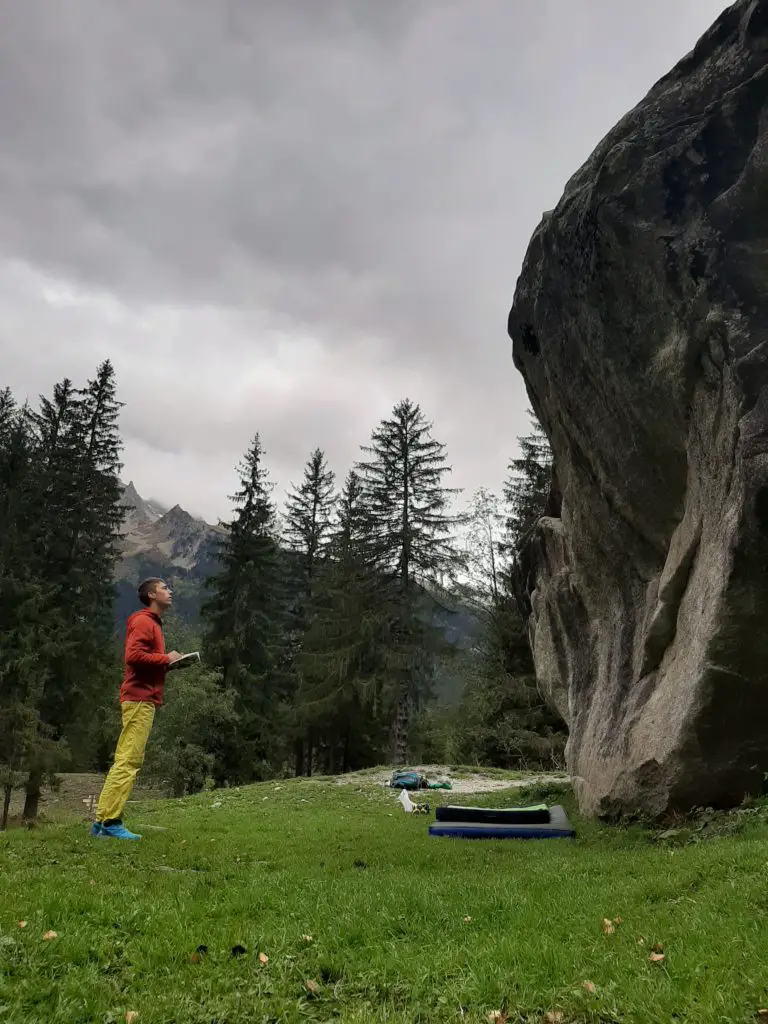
x,y
117,830
96,829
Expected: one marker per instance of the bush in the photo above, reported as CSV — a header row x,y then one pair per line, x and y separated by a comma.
x,y
191,732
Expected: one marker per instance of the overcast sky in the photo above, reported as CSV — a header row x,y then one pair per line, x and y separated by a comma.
x,y
286,215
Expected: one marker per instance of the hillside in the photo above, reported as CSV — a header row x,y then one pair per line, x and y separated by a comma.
x,y
312,901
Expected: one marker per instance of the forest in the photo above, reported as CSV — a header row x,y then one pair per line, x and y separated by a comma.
x,y
318,653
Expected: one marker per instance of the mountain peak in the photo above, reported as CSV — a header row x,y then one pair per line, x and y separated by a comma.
x,y
177,514
130,494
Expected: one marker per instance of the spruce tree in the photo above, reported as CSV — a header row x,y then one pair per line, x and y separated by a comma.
x,y
59,442
28,642
7,414
17,499
30,632
94,540
342,660
243,618
308,513
409,506
76,541
526,488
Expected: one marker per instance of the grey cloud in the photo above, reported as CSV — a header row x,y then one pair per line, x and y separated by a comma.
x,y
159,147
357,170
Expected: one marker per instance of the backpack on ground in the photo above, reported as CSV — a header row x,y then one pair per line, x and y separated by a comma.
x,y
408,780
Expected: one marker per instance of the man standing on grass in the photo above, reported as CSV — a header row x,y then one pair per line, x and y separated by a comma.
x,y
146,664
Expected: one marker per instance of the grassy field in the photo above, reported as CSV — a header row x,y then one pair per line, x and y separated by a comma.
x,y
310,901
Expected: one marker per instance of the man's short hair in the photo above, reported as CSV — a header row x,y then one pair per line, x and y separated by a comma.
x,y
146,587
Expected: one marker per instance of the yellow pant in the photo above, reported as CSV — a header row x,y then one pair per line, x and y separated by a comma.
x,y
138,717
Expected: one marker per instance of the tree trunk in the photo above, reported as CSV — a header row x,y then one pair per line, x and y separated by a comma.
x,y
32,795
6,808
310,756
299,758
400,727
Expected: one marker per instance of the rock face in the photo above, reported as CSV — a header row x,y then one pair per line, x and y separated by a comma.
x,y
168,543
640,325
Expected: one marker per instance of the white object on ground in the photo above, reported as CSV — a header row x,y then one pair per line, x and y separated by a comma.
x,y
406,801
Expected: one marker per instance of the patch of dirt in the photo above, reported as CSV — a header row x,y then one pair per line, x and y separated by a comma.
x,y
462,781
77,795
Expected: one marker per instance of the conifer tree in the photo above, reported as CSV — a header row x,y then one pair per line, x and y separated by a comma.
x,y
342,659
308,512
94,540
17,498
59,445
28,642
526,488
243,617
30,630
7,414
409,506
76,541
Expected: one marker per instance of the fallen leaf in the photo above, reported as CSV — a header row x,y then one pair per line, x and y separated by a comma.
x,y
263,958
589,986
92,882
656,958
498,1017
50,935
554,1017
618,920
641,941
608,927
131,1017
312,987
307,938
22,924
468,920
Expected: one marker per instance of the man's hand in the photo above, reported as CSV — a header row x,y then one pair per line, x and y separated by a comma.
x,y
174,656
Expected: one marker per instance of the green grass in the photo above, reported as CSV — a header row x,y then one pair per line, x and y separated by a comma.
x,y
386,908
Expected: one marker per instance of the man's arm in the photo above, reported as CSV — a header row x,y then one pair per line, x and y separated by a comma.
x,y
139,646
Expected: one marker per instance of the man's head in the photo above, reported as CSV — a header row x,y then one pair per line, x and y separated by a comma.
x,y
155,594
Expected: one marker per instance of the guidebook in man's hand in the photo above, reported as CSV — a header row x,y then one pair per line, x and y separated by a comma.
x,y
186,660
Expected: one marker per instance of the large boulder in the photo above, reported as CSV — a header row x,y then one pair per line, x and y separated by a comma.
x,y
640,325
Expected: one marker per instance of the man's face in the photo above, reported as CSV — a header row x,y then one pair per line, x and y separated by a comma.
x,y
162,596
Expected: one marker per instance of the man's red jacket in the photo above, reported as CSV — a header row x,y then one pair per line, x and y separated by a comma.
x,y
146,662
